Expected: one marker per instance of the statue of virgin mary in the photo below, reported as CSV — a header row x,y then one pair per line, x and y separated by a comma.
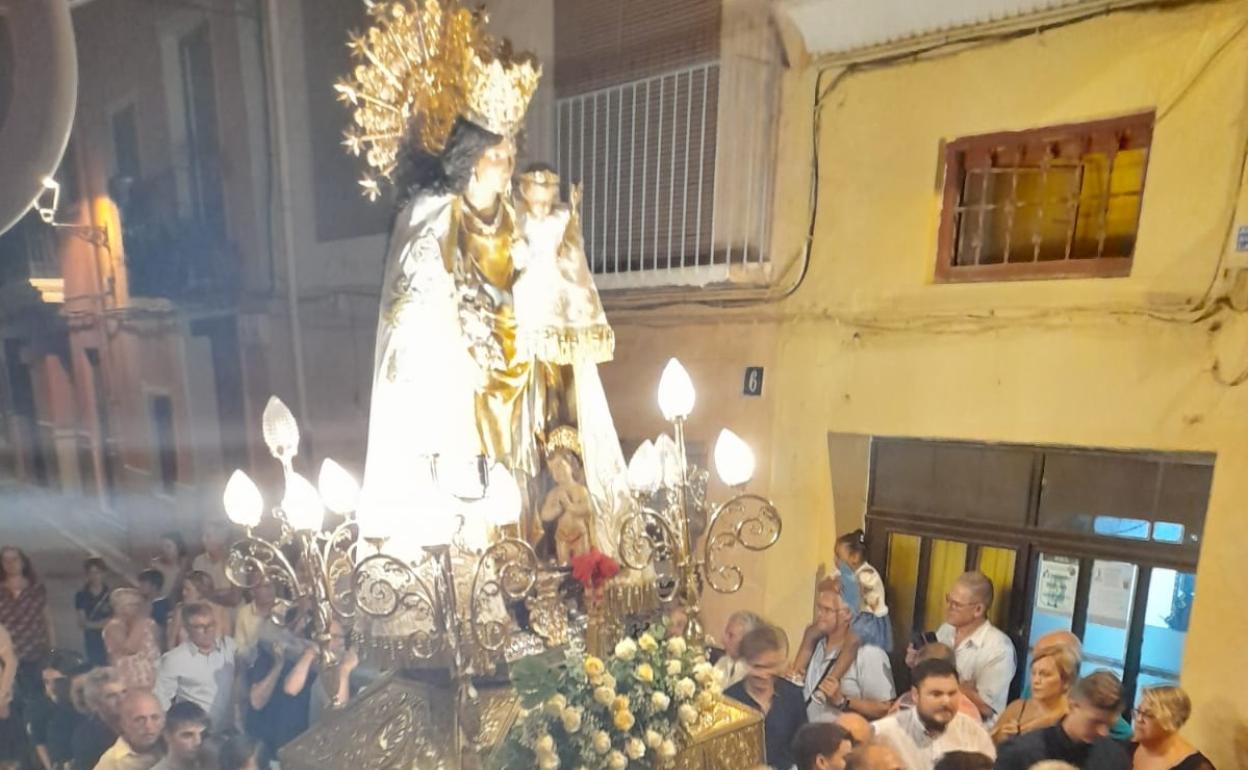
x,y
456,376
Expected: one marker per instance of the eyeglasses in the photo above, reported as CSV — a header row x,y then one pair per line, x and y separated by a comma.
x,y
1139,713
201,627
957,605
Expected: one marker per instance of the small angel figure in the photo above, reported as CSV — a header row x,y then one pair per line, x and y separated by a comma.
x,y
567,505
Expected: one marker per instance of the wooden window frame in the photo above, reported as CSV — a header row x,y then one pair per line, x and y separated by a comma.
x,y
1029,541
952,175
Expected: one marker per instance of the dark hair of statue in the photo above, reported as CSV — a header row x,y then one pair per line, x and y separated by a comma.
x,y
448,171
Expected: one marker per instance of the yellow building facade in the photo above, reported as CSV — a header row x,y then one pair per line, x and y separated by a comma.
x,y
857,337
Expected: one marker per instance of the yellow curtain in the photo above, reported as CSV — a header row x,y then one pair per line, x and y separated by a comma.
x,y
948,561
998,565
903,576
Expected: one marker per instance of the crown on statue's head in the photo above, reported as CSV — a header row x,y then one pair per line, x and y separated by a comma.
x,y
564,437
499,88
423,64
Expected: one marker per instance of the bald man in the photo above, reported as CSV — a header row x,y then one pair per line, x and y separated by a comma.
x,y
873,756
857,726
138,748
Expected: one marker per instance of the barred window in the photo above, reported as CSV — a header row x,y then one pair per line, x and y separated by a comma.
x,y
1057,202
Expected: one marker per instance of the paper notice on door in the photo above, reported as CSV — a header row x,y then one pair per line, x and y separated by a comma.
x,y
1111,593
1055,585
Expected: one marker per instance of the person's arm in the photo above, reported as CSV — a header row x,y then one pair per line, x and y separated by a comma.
x,y
173,634
990,691
166,681
47,621
45,759
805,650
1008,723
849,652
115,642
8,668
262,691
298,676
871,690
349,663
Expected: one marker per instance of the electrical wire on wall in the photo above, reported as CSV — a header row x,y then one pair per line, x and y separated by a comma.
x,y
1193,311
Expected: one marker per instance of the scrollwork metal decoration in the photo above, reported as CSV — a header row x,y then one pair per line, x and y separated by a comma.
x,y
506,571
746,521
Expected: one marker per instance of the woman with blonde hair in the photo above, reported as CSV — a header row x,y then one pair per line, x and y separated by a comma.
x,y
1156,743
1054,669
130,639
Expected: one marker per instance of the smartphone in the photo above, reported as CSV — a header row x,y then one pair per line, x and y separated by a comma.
x,y
922,638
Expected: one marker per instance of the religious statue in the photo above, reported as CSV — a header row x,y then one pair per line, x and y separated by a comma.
x,y
566,512
490,328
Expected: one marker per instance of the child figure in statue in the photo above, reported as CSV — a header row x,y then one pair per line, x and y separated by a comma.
x,y
567,505
559,316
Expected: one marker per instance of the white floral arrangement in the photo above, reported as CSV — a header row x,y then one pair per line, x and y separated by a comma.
x,y
635,710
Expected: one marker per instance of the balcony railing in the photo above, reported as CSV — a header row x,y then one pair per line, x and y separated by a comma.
x,y
671,193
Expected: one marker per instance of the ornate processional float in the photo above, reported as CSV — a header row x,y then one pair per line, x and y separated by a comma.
x,y
500,567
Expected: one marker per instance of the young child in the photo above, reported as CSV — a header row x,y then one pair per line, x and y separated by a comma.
x,y
871,623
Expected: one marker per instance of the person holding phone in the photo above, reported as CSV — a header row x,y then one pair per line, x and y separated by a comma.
x,y
985,655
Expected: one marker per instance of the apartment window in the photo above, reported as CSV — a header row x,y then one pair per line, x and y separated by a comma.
x,y
166,446
1058,202
203,143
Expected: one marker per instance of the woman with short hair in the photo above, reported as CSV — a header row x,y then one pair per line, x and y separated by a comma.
x,y
1156,743
1054,670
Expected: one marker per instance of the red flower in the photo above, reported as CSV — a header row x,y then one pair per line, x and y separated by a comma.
x,y
593,569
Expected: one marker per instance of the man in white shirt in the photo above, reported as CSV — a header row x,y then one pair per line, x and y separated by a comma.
x,y
934,727
985,656
202,669
866,687
730,665
138,747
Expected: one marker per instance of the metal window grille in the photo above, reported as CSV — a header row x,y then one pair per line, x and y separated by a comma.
x,y
1047,203
648,156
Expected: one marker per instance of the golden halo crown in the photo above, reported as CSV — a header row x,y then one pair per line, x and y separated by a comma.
x,y
425,63
563,437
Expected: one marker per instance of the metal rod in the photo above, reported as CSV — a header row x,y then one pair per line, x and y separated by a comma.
x,y
593,187
671,172
619,145
632,173
697,240
658,158
684,190
645,170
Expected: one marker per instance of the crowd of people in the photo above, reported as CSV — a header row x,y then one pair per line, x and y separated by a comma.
x,y
182,671
179,671
835,706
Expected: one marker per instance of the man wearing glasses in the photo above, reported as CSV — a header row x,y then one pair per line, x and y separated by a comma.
x,y
984,655
202,669
866,688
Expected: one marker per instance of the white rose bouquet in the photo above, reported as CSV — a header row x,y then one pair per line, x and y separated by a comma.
x,y
634,711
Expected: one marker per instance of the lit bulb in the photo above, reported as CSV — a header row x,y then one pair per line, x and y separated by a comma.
x,y
734,461
281,432
502,497
243,501
676,394
644,469
434,522
303,507
338,489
